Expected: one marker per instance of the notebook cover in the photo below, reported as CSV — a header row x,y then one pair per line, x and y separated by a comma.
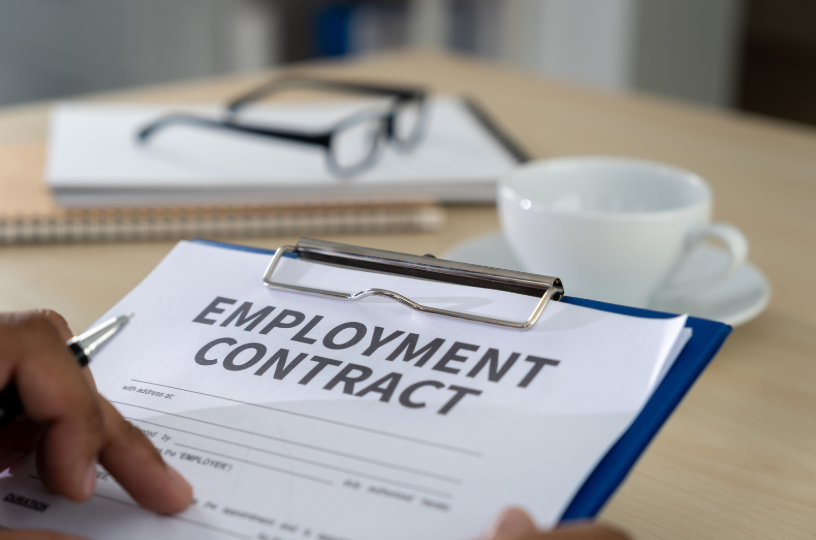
x,y
94,163
707,338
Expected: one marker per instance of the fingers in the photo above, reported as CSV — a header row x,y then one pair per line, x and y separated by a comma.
x,y
588,531
516,524
37,535
133,460
61,325
56,394
20,437
71,423
57,321
512,523
17,439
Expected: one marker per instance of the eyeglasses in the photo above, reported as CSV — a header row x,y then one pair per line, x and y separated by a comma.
x,y
352,145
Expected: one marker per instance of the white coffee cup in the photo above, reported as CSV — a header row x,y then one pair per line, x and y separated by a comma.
x,y
613,229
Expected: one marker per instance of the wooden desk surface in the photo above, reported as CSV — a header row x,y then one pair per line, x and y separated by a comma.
x,y
738,458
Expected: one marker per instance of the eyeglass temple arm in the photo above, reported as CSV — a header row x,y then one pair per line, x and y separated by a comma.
x,y
321,139
285,83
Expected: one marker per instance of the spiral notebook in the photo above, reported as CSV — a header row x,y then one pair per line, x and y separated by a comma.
x,y
29,214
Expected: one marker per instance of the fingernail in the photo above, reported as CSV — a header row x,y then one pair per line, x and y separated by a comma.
x,y
177,479
512,522
90,479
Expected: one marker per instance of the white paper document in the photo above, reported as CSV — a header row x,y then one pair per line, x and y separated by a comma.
x,y
95,160
298,417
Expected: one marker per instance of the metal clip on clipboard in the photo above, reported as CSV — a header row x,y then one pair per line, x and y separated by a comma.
x,y
423,267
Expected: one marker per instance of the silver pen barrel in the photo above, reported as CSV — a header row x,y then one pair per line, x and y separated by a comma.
x,y
86,343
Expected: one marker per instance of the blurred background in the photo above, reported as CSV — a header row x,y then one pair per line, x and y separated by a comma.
x,y
753,55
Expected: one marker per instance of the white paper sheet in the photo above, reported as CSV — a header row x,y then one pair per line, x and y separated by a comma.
x,y
94,158
282,452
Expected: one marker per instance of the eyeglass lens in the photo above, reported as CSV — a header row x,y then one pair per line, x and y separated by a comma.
x,y
409,122
356,144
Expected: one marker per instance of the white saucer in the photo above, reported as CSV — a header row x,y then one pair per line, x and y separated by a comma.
x,y
734,300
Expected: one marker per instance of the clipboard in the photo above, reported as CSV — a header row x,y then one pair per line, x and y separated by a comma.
x,y
706,340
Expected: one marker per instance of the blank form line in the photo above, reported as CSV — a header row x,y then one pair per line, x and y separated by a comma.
x,y
179,518
319,419
430,491
411,470
284,471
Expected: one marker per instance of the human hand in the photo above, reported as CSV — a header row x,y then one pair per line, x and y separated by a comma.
x,y
71,426
515,524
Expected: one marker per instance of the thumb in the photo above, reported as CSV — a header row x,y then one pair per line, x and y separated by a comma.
x,y
57,320
512,523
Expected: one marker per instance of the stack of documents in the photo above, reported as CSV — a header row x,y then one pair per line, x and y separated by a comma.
x,y
95,161
296,416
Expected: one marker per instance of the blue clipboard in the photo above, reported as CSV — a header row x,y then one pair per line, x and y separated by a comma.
x,y
706,340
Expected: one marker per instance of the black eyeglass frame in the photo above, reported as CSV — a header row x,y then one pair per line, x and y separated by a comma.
x,y
323,139
401,97
386,119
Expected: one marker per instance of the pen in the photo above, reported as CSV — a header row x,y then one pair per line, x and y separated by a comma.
x,y
81,346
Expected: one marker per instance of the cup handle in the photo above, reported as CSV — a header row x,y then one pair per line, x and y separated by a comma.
x,y
735,243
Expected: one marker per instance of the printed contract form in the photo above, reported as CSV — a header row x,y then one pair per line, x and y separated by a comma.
x,y
298,417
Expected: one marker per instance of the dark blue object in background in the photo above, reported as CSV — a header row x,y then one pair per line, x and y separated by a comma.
x,y
333,30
